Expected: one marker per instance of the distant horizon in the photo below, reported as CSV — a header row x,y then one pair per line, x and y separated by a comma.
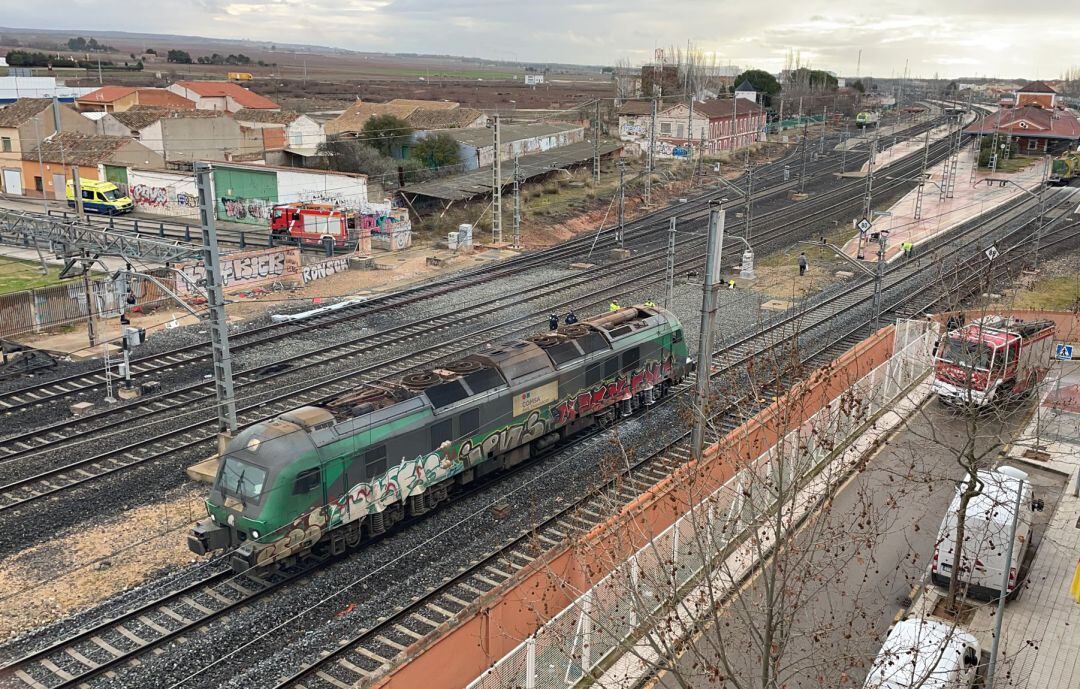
x,y
922,39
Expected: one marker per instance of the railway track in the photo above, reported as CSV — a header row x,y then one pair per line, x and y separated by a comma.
x,y
76,385
43,483
370,651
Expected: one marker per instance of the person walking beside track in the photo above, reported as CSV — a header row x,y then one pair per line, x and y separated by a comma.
x,y
553,321
802,263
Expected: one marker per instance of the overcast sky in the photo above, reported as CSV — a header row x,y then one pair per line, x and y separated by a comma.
x,y
948,37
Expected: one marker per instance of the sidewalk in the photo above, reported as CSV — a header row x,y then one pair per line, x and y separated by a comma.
x,y
1040,641
937,216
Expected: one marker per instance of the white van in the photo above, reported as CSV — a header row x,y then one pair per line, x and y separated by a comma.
x,y
986,534
926,653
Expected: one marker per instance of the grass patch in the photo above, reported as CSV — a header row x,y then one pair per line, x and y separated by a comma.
x,y
1055,294
1014,164
17,275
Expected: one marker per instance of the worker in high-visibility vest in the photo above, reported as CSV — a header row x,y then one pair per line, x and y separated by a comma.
x,y
613,306
650,304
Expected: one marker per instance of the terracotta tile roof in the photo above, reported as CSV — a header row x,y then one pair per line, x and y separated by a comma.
x,y
354,117
1035,87
266,116
720,108
1030,121
424,118
425,104
72,148
22,110
238,93
142,116
164,98
106,94
636,107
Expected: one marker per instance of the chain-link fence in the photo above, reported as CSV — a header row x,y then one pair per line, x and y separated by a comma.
x,y
647,588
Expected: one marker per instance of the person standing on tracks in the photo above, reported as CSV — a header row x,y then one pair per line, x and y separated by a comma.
x,y
909,248
802,263
553,321
570,318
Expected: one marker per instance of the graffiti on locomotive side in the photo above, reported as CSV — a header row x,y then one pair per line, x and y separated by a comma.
x,y
502,440
605,394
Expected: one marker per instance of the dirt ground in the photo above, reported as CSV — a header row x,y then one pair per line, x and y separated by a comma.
x,y
76,571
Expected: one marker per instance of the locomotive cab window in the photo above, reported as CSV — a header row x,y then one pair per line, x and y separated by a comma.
x,y
611,367
375,462
630,359
676,337
441,432
306,480
468,423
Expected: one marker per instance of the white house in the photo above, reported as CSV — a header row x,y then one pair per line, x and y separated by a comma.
x,y
302,134
746,90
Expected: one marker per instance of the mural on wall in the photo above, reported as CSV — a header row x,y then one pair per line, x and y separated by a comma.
x,y
163,193
244,270
149,197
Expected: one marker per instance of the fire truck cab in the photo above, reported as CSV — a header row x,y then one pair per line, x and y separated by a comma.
x,y
314,224
991,357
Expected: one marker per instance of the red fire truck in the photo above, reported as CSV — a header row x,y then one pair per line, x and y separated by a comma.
x,y
315,224
991,357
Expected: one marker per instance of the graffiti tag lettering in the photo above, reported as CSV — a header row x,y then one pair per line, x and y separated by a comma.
x,y
322,269
606,394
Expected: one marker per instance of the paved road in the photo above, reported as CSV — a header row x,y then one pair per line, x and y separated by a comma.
x,y
850,570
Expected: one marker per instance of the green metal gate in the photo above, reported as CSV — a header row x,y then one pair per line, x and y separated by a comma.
x,y
244,195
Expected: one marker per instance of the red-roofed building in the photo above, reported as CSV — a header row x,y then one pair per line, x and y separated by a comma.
x,y
1036,93
121,98
1036,129
221,95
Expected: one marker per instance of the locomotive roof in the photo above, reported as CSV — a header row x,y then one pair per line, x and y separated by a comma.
x,y
505,364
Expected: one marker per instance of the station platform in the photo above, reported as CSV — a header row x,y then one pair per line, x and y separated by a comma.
x,y
899,149
969,201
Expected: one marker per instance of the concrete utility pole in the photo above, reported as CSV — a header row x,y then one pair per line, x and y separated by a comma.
x,y
843,151
622,203
868,196
496,184
708,325
90,333
1000,614
649,162
690,130
219,326
824,119
879,274
517,202
1042,210
922,176
749,194
596,145
669,272
77,191
805,152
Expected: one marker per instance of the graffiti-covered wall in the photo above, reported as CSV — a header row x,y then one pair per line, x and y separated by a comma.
x,y
246,269
163,193
244,194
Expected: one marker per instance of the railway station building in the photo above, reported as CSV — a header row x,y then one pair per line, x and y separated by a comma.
x,y
1036,129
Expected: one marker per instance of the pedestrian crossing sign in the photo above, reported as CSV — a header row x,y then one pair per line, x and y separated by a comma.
x,y
1063,352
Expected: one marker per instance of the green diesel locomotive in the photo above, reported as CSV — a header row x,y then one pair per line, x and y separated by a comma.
x,y
333,475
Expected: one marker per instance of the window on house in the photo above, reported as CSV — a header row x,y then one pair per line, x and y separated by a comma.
x,y
681,133
6,143
665,128
1032,144
38,184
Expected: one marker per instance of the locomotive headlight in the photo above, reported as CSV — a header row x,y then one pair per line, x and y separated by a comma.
x,y
232,520
213,518
255,534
